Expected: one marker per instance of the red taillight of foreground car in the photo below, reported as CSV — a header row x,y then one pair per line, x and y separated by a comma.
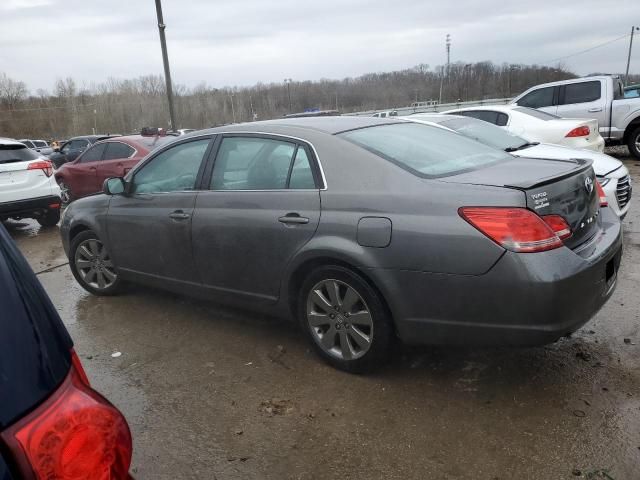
x,y
602,197
44,165
75,434
583,131
516,229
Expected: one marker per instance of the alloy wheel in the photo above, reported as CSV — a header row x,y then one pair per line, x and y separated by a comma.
x,y
94,265
65,195
339,319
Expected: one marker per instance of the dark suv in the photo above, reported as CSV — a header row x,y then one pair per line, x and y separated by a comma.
x,y
72,148
52,423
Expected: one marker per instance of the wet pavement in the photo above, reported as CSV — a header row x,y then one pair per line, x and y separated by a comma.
x,y
211,392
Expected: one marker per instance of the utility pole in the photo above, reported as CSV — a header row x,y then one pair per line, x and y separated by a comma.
x,y
165,60
288,82
233,109
448,43
626,75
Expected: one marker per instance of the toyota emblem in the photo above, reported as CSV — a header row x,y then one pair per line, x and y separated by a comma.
x,y
588,185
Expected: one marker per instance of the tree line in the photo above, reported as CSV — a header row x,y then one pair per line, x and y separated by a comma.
x,y
125,106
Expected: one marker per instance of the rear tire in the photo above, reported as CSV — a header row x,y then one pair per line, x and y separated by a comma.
x,y
633,142
345,319
49,219
92,266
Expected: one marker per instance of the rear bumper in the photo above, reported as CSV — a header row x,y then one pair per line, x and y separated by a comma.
x,y
30,207
525,299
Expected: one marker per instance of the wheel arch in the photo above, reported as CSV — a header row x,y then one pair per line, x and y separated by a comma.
x,y
633,124
77,229
309,264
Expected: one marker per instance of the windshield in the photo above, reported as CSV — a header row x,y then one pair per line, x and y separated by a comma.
x,y
424,150
539,114
16,153
485,132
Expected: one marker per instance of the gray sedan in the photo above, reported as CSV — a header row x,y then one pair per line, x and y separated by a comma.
x,y
362,229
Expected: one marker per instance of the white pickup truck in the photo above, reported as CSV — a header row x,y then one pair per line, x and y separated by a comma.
x,y
600,97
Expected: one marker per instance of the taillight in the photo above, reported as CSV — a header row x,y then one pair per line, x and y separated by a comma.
x,y
559,225
44,165
601,195
583,131
516,229
75,434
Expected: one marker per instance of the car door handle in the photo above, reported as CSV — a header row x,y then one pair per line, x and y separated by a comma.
x,y
595,109
293,218
179,215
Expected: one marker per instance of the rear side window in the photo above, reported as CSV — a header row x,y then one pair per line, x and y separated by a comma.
x,y
249,163
116,150
543,97
581,92
93,154
27,143
425,151
16,153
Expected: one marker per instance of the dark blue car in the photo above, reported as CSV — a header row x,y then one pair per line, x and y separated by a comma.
x,y
52,423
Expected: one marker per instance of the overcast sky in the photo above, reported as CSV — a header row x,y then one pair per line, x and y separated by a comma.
x,y
242,42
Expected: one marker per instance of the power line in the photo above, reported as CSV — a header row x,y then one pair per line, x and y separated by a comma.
x,y
587,50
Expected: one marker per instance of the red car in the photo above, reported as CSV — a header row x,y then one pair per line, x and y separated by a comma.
x,y
112,157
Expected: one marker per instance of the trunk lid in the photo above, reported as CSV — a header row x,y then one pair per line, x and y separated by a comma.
x,y
551,187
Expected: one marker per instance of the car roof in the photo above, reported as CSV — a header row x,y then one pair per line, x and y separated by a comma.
x,y
329,125
147,142
91,137
10,141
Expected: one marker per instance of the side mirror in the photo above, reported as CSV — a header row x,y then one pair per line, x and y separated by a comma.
x,y
113,186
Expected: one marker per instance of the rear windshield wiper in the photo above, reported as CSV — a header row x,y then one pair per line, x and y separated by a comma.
x,y
524,145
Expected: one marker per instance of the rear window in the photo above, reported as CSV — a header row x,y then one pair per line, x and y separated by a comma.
x,y
539,114
423,150
16,153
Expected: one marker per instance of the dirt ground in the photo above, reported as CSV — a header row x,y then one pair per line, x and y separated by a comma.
x,y
214,393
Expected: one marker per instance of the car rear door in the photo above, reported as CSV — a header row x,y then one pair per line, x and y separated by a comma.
x,y
149,227
584,100
81,175
260,206
117,161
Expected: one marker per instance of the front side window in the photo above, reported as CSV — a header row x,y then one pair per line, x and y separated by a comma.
x,y
248,163
424,150
543,97
582,92
118,150
77,145
173,170
93,154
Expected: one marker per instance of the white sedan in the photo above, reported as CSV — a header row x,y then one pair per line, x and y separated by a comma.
x,y
537,126
612,174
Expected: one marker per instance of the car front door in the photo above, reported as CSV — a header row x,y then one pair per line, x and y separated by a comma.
x,y
116,161
80,175
149,226
260,206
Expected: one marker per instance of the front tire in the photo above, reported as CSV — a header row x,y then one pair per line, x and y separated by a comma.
x,y
345,319
65,193
92,266
634,143
49,219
